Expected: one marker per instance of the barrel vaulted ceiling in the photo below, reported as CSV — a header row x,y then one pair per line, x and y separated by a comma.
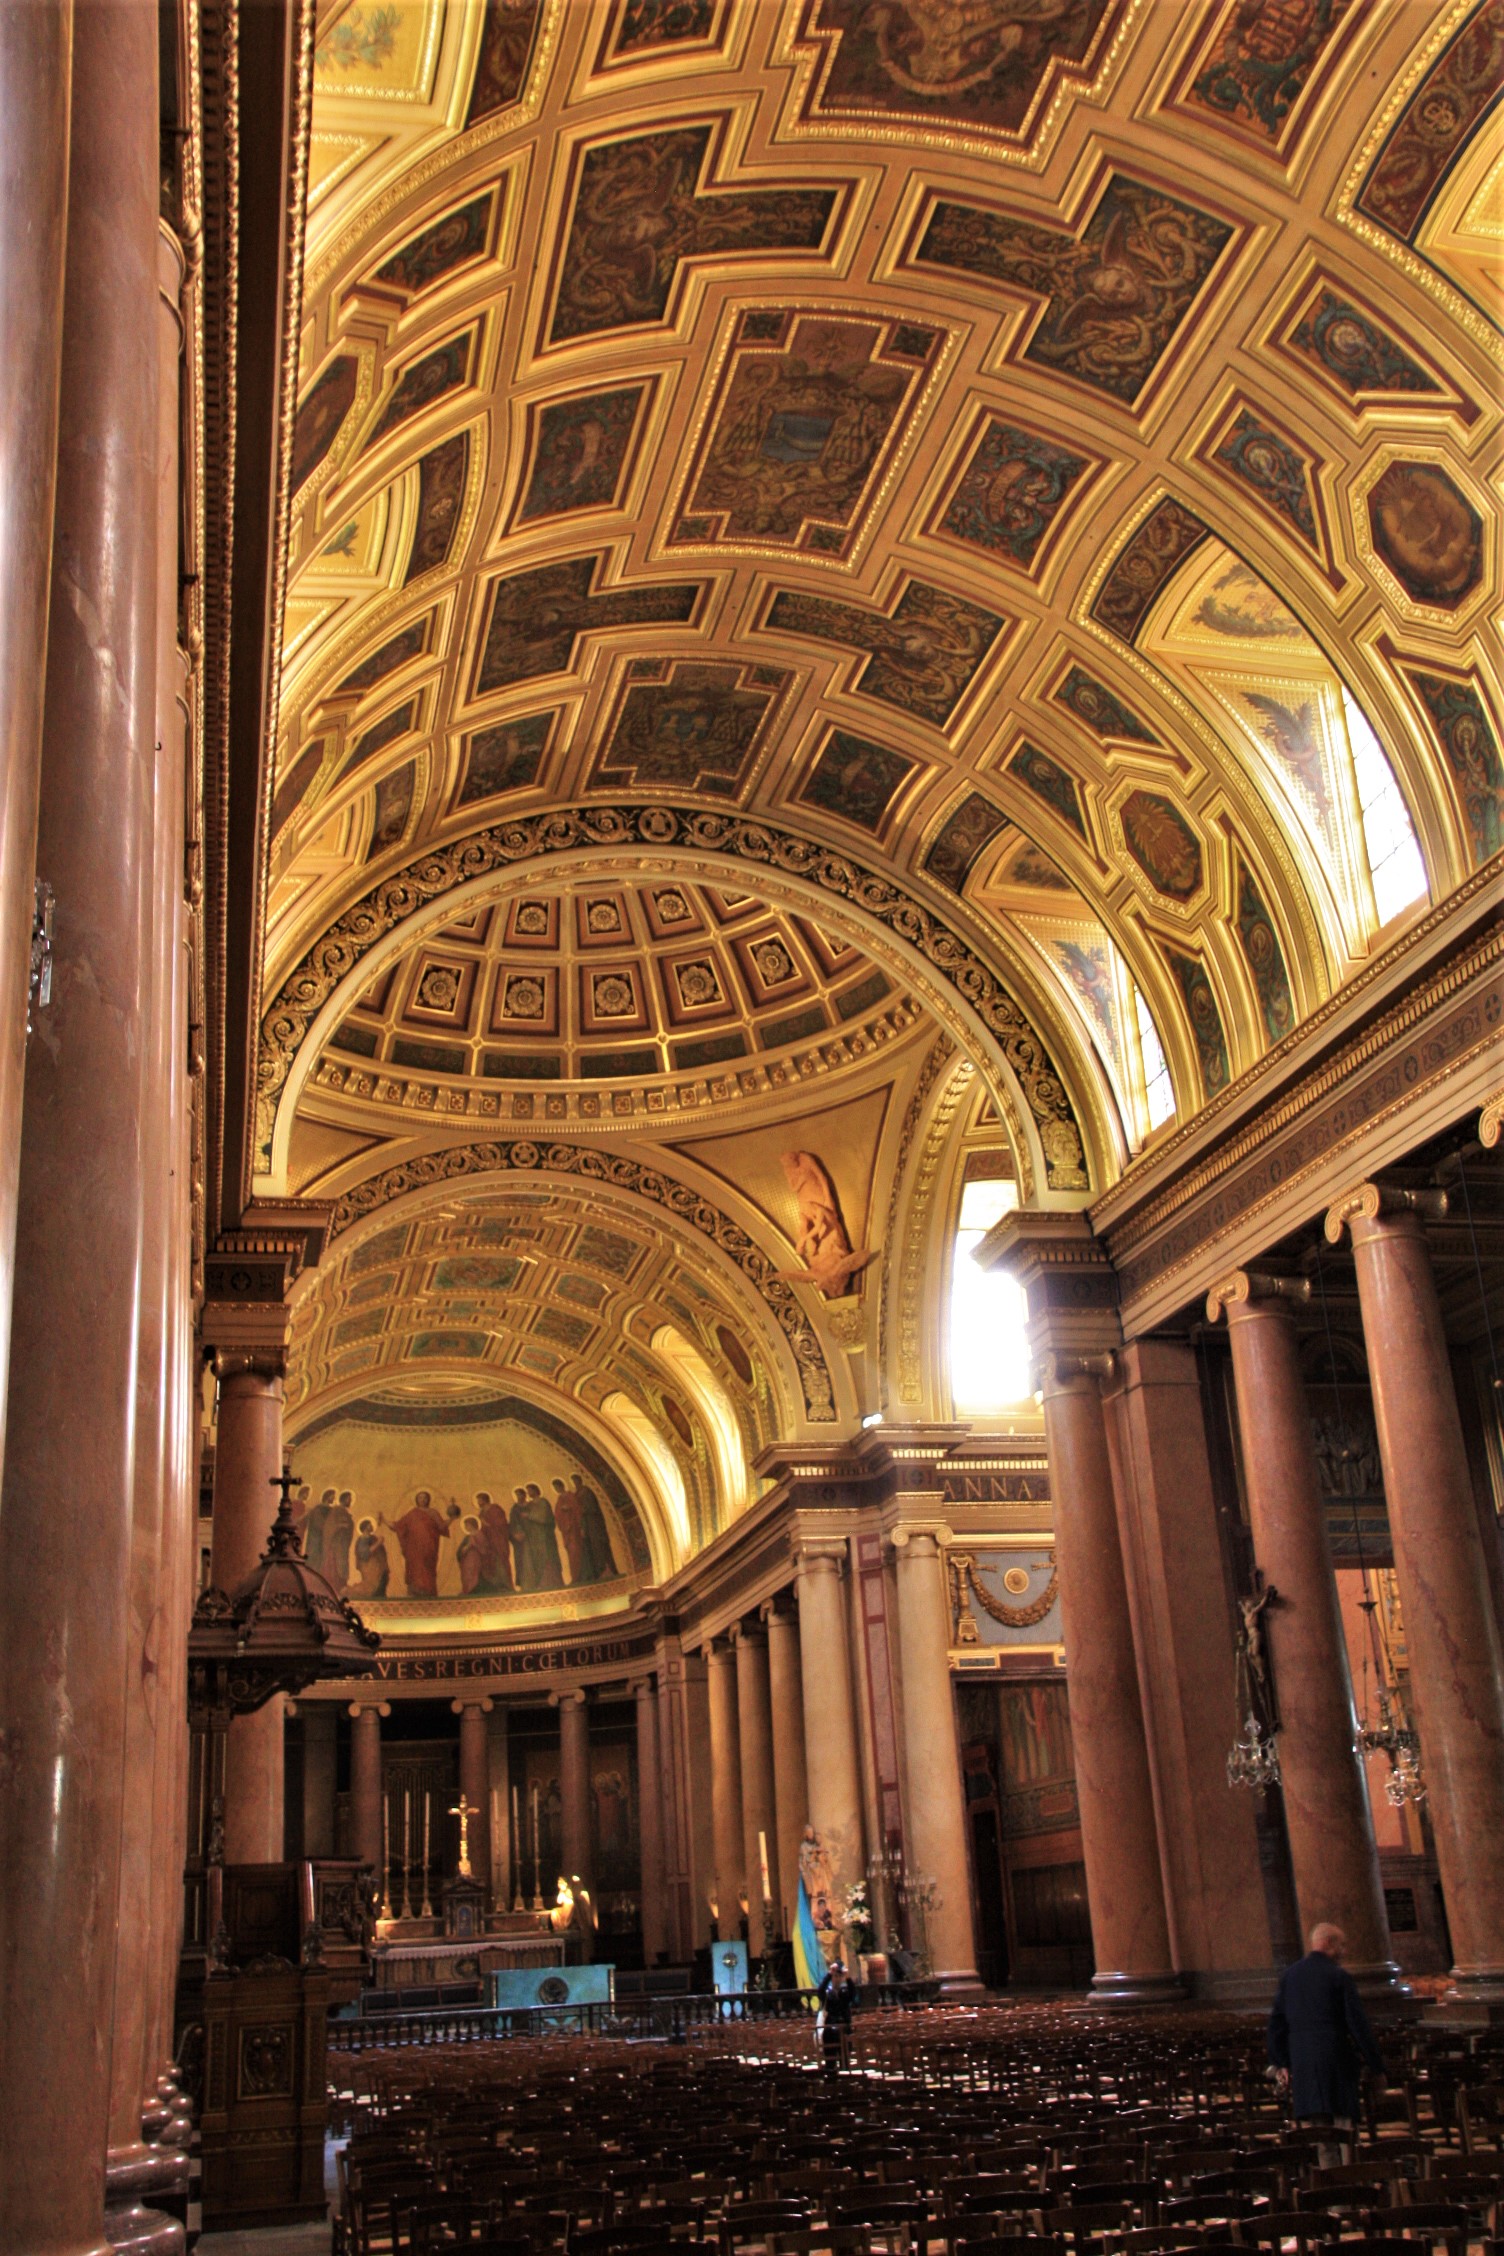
x,y
993,505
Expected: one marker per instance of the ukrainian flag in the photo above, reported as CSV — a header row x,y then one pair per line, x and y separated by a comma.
x,y
809,1960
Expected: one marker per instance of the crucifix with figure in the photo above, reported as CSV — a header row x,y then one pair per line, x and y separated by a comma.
x,y
464,1810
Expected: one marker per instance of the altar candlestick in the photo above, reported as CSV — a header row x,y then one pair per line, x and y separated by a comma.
x,y
519,1851
386,1858
537,1873
762,1852
427,1905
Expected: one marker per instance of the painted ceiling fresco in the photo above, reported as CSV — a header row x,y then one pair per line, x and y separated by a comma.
x,y
1003,500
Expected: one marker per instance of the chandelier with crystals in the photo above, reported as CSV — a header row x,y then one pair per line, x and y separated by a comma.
x,y
1393,1737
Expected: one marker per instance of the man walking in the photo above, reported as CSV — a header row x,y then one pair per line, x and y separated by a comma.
x,y
1319,2035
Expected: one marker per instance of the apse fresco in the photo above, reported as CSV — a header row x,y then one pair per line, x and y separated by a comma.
x,y
489,1506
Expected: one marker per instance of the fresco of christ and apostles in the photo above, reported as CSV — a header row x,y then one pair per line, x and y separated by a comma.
x,y
470,1512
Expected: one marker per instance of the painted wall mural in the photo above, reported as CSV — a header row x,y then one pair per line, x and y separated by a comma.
x,y
536,616
1010,493
984,65
1104,714
639,210
694,726
1355,350
856,780
486,1504
1427,532
1206,1019
1266,958
1052,783
1260,60
800,430
1436,124
922,658
1162,843
579,449
1114,297
506,46
441,493
456,240
1164,540
1274,471
1465,731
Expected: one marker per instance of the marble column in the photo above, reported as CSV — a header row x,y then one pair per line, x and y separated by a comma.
x,y
934,1814
682,1916
137,2171
69,1471
1451,1632
650,1820
1325,1794
499,1802
830,1752
754,1718
320,1772
698,1794
35,79
367,1784
1119,1840
574,1790
726,1788
790,1790
475,1781
1181,1604
247,1462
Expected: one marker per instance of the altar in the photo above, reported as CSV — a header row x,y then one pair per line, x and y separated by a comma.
x,y
417,1954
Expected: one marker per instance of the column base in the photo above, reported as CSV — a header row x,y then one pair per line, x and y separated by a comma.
x,y
1385,1991
1475,2000
1237,1989
960,1986
1137,1990
132,2175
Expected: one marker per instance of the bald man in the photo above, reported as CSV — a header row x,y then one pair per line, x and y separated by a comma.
x,y
1319,2037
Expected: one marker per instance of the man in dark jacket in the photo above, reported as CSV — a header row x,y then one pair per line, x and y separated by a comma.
x,y
837,1995
1319,2037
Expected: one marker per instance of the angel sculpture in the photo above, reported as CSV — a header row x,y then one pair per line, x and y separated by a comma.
x,y
820,1238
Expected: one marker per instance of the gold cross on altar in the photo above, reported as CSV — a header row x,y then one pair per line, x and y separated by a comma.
x,y
464,1811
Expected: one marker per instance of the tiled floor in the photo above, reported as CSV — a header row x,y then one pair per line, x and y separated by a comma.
x,y
278,2240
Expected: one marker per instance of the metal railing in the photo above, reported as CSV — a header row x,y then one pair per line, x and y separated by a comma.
x,y
672,2017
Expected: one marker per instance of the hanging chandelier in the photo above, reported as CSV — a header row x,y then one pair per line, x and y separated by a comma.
x,y
1253,1759
1392,1737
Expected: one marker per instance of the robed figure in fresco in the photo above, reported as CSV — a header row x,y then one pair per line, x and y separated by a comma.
x,y
571,1529
535,1547
373,1566
495,1544
420,1531
599,1564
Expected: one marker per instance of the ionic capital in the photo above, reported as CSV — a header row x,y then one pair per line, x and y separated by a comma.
x,y
1491,1121
920,1540
1243,1288
821,1555
358,1708
643,1688
484,1706
1060,1371
572,1699
1377,1201
266,1361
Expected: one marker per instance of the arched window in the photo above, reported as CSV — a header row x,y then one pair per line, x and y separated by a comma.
x,y
704,1390
653,1451
990,1366
1159,1091
1394,858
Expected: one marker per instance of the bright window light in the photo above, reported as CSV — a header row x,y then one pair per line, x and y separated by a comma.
x,y
668,1480
990,1366
1399,874
725,1435
1159,1091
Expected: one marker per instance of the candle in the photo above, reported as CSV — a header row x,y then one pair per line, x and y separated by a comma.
x,y
426,1799
535,1825
762,1852
407,1825
517,1826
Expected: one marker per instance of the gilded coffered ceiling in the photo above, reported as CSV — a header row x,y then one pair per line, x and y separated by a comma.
x,y
994,506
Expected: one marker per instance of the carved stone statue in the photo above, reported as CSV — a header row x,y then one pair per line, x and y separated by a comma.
x,y
820,1239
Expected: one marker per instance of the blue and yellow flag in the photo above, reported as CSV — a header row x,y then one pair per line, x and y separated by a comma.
x,y
809,1960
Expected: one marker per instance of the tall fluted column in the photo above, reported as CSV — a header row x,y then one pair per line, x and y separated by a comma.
x,y
574,1787
726,1787
65,1511
36,47
790,1790
697,1786
755,1742
935,1818
320,1772
1456,1668
500,1804
650,1819
1119,1840
367,1784
475,1781
1327,1813
830,1754
247,1462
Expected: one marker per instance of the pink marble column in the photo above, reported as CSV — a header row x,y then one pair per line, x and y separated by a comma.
x,y
790,1787
1182,1612
675,1802
65,1510
754,1722
475,1781
1119,1839
35,79
1451,1633
650,1819
247,1460
574,1790
1327,1819
367,1786
697,1786
935,1817
136,2170
830,1746
726,1788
